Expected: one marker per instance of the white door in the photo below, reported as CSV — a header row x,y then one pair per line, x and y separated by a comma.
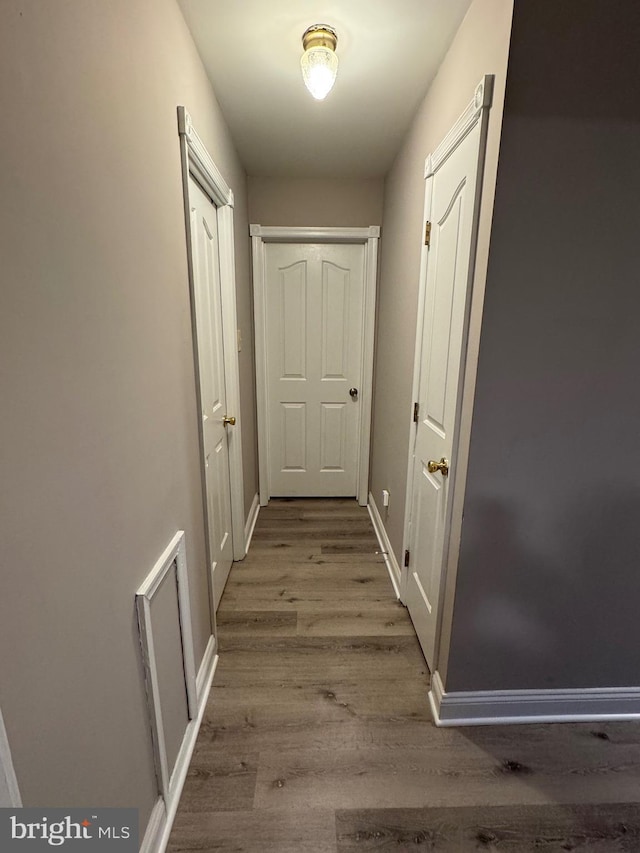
x,y
208,311
452,200
314,340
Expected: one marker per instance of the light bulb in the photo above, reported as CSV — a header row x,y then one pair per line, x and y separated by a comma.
x,y
319,70
319,62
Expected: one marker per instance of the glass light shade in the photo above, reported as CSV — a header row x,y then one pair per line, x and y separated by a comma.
x,y
319,70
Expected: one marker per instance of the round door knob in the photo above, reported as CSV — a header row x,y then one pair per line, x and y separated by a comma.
x,y
442,466
227,420
353,392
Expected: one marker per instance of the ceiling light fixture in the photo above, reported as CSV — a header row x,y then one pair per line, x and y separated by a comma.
x,y
319,62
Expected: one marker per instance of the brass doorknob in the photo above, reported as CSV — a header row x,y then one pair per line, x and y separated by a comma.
x,y
227,420
442,466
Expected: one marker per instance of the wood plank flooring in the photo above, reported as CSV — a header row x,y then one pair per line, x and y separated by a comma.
x,y
317,735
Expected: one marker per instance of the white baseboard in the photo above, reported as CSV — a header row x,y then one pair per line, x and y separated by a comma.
x,y
501,707
385,545
207,666
158,830
155,828
251,521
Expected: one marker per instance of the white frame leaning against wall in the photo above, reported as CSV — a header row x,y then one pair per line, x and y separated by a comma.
x,y
174,555
197,162
370,237
171,780
9,790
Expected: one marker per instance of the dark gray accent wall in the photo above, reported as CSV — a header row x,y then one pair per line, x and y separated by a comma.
x,y
548,583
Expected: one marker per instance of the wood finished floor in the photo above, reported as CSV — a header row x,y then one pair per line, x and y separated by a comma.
x,y
317,735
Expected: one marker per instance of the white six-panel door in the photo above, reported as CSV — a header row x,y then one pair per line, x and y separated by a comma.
x,y
314,305
452,201
206,281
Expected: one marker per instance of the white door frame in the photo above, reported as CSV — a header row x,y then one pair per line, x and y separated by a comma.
x,y
197,162
476,111
260,235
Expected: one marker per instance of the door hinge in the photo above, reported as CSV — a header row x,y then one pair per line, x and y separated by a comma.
x,y
406,559
416,412
427,234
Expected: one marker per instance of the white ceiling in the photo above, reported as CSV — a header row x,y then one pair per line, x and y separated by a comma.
x,y
389,51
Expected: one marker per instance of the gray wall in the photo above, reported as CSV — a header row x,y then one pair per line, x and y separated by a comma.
x,y
548,580
329,202
98,438
480,47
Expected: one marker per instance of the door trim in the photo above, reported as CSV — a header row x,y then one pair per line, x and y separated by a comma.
x,y
197,163
260,236
476,111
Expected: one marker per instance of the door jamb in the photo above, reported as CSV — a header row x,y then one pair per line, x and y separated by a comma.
x,y
260,235
476,111
197,162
